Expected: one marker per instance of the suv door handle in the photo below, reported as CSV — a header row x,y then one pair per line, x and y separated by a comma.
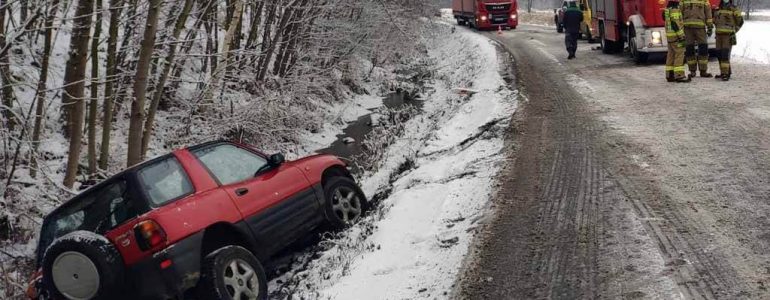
x,y
241,191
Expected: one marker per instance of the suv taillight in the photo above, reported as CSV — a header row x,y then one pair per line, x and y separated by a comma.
x,y
149,234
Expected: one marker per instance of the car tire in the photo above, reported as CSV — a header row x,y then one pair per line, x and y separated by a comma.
x,y
230,271
633,49
608,47
83,265
345,202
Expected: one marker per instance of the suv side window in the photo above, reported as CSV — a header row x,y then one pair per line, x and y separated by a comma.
x,y
98,210
230,164
164,181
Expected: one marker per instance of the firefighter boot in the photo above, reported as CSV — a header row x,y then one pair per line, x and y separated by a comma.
x,y
670,76
704,74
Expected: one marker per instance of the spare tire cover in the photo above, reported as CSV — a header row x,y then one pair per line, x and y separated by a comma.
x,y
82,265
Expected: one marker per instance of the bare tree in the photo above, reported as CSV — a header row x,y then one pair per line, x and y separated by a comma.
x,y
93,112
43,82
135,130
224,58
74,78
160,85
109,89
6,80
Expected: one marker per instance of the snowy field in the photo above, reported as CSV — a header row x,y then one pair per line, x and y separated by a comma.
x,y
753,42
437,179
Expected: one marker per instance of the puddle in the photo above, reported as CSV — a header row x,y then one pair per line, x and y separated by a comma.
x,y
357,130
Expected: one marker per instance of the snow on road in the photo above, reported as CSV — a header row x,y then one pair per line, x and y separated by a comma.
x,y
753,43
438,176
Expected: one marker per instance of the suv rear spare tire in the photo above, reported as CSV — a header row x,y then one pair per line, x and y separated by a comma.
x,y
82,265
232,272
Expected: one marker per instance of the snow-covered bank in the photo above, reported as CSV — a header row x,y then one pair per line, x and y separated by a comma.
x,y
436,181
753,43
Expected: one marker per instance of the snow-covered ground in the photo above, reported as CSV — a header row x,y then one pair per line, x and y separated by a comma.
x,y
437,179
753,42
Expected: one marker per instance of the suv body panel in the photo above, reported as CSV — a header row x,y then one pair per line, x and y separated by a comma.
x,y
282,204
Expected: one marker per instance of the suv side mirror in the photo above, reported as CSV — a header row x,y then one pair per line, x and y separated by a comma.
x,y
276,160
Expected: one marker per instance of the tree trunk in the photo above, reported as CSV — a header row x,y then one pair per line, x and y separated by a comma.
x,y
292,33
140,85
266,32
74,77
254,32
178,27
93,105
6,80
224,61
189,39
112,45
123,63
42,84
280,31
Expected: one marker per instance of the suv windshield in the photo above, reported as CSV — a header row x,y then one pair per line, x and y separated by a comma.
x,y
99,210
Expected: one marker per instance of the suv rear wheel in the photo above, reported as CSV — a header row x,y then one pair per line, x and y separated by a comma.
x,y
345,202
232,273
82,265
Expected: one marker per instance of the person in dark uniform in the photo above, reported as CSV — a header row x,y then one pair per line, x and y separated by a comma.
x,y
573,17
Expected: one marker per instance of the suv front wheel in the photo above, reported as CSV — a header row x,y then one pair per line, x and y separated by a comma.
x,y
345,202
232,273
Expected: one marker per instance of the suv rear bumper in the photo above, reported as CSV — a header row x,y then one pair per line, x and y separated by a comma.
x,y
150,280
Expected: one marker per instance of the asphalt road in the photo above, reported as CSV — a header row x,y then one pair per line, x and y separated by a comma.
x,y
624,186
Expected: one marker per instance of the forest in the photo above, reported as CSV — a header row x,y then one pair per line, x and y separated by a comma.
x,y
90,87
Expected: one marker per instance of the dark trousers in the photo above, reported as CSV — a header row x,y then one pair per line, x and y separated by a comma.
x,y
570,40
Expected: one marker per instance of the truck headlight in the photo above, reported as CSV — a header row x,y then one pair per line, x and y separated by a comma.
x,y
483,18
656,37
513,17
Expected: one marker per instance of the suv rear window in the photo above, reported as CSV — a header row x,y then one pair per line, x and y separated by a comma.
x,y
164,181
98,210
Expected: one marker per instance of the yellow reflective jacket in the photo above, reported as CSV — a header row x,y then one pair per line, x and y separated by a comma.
x,y
697,13
728,20
674,25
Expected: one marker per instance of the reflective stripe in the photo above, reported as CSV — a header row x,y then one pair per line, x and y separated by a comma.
x,y
679,69
669,68
694,23
725,30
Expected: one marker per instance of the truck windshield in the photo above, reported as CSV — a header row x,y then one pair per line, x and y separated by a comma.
x,y
98,211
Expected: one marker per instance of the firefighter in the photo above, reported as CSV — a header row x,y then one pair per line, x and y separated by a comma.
x,y
728,21
573,17
676,39
698,26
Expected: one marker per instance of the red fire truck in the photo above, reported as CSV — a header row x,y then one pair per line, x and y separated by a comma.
x,y
639,23
486,14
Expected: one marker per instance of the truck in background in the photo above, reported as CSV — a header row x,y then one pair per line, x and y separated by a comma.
x,y
486,14
637,23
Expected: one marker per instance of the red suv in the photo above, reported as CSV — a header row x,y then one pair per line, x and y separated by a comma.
x,y
195,222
